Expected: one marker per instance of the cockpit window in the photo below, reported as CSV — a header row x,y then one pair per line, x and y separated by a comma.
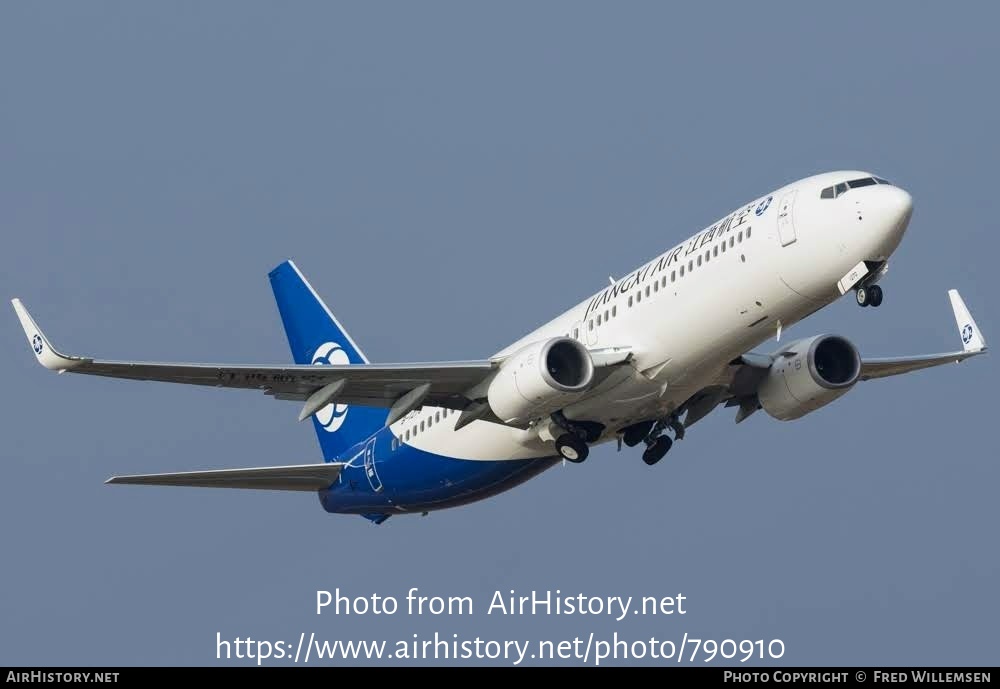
x,y
863,182
835,191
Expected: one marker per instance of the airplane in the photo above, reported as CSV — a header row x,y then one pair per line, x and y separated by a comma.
x,y
648,355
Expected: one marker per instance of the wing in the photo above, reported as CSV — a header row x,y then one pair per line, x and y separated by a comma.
x,y
737,384
399,387
304,477
973,344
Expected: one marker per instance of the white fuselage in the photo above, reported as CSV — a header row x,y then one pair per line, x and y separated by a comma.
x,y
687,313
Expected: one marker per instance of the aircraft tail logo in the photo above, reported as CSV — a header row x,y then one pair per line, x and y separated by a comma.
x,y
317,338
332,416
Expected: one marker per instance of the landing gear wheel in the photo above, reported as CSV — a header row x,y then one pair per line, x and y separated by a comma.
x,y
863,296
636,433
571,448
655,452
875,295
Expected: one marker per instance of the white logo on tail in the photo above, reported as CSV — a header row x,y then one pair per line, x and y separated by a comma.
x,y
332,416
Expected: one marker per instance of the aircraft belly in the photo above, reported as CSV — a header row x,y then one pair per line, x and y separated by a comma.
x,y
408,479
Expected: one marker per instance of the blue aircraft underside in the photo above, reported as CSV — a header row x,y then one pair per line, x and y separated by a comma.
x,y
378,481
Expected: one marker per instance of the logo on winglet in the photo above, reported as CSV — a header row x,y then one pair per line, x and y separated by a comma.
x,y
967,333
36,343
332,416
762,206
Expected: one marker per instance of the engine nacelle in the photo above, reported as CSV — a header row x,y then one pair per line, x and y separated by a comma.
x,y
822,369
540,379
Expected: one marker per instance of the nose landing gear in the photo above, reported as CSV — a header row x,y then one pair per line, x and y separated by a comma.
x,y
869,296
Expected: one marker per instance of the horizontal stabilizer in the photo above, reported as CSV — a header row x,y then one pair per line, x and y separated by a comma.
x,y
306,477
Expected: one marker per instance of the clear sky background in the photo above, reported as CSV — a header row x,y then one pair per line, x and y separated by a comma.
x,y
450,175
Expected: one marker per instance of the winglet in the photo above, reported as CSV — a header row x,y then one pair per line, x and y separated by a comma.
x,y
47,355
972,337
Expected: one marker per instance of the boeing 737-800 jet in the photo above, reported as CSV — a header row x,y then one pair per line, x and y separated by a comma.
x,y
650,354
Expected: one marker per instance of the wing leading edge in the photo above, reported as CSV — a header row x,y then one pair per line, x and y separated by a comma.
x,y
398,387
375,385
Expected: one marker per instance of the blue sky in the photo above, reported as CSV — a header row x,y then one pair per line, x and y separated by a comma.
x,y
450,175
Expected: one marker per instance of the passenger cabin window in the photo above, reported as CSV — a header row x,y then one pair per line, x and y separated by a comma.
x,y
598,319
673,276
630,301
614,311
748,232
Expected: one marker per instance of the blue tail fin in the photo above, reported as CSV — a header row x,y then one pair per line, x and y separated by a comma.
x,y
316,337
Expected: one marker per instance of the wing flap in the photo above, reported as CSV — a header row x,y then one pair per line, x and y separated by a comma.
x,y
301,477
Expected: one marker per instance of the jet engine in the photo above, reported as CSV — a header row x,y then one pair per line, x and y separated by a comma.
x,y
809,374
539,379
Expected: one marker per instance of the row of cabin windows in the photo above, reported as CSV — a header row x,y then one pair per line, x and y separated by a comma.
x,y
604,317
425,424
693,263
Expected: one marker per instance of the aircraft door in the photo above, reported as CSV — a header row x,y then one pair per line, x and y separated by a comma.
x,y
786,228
370,472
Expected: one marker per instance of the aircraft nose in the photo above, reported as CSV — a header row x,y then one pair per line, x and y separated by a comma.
x,y
891,208
897,207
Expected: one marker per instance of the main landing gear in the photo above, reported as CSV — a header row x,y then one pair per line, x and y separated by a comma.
x,y
652,433
869,296
657,450
572,448
572,445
